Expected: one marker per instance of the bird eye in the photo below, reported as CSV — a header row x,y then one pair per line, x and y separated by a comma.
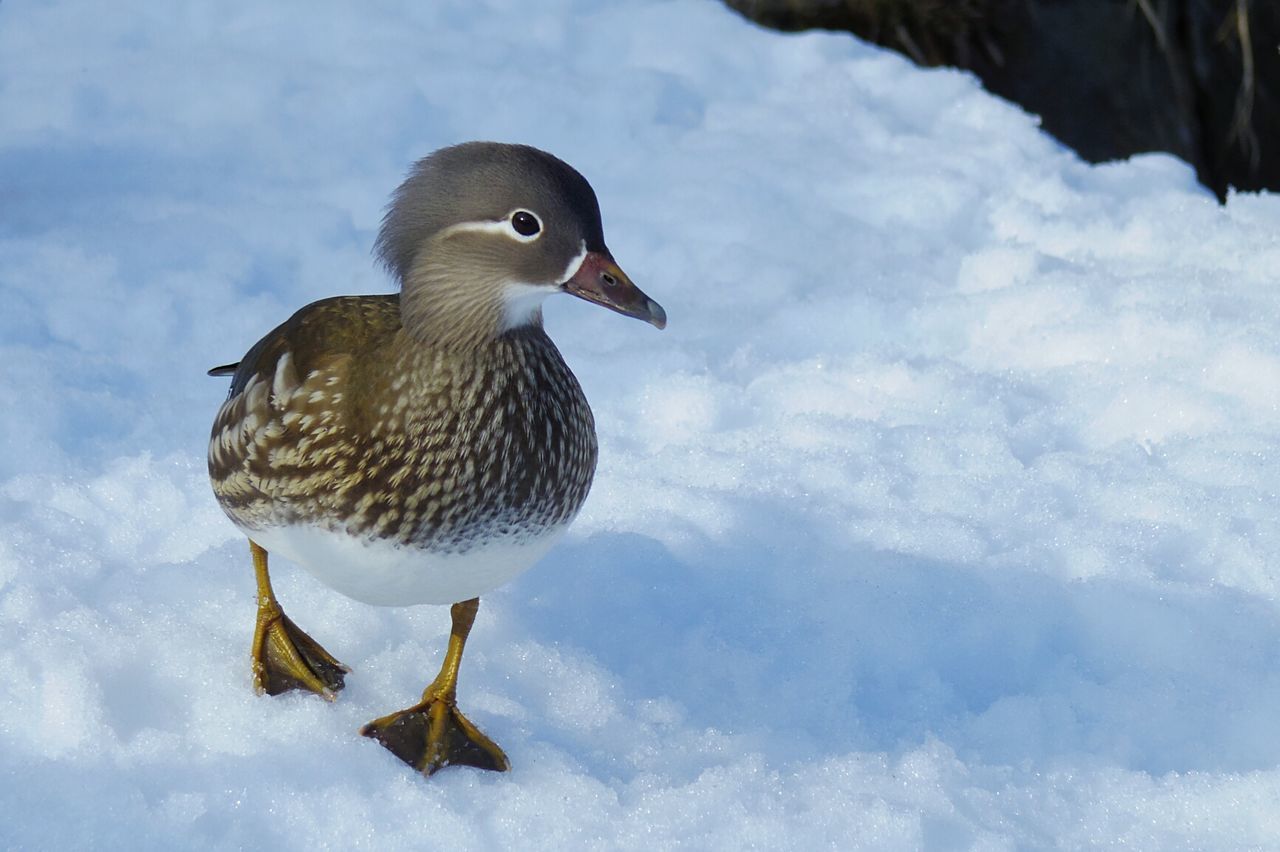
x,y
525,223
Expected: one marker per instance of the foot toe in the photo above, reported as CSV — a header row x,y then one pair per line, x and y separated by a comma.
x,y
286,658
434,735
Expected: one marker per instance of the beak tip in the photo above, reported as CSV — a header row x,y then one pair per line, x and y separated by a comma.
x,y
600,280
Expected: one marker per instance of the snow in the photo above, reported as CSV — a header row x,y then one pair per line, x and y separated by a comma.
x,y
943,514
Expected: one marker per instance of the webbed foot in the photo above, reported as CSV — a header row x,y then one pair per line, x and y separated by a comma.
x,y
433,734
285,657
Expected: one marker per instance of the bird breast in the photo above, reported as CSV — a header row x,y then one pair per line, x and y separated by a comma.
x,y
427,450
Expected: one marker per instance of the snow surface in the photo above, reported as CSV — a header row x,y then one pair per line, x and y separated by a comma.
x,y
943,514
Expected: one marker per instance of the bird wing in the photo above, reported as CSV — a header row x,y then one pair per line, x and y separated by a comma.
x,y
317,333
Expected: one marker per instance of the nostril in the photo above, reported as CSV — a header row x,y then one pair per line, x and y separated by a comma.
x,y
609,280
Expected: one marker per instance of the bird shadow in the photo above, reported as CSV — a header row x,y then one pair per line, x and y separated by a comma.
x,y
820,649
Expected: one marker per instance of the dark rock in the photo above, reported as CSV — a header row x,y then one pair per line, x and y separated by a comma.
x,y
1109,78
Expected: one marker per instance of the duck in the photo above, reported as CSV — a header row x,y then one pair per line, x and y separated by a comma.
x,y
425,446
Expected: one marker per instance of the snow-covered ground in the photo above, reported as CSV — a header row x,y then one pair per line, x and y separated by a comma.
x,y
943,514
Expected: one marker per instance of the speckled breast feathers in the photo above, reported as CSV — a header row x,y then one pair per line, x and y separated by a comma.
x,y
424,447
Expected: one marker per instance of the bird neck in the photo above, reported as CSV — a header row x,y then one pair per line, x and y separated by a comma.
x,y
442,312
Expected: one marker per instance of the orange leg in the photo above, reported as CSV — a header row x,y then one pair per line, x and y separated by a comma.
x,y
433,734
285,657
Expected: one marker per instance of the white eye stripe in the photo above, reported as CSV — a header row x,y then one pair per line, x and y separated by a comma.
x,y
497,226
576,263
486,226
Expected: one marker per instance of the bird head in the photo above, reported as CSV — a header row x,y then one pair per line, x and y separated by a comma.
x,y
480,234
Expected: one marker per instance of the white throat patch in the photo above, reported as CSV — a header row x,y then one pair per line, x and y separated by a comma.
x,y
522,302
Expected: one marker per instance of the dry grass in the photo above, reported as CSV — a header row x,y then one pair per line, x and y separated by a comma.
x,y
1235,25
1242,130
931,32
1220,134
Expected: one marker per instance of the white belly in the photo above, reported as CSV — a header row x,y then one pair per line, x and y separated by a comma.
x,y
384,573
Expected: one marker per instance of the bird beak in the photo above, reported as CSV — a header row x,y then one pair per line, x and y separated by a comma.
x,y
600,280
